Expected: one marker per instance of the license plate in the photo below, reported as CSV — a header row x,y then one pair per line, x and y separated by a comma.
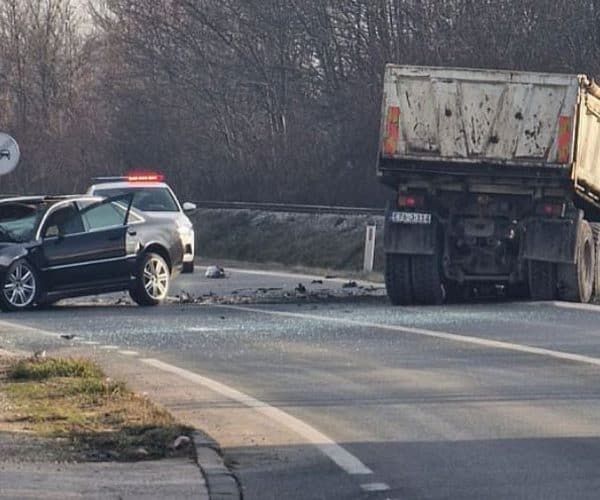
x,y
411,218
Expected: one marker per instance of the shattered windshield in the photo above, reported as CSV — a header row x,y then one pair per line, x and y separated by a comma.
x,y
18,221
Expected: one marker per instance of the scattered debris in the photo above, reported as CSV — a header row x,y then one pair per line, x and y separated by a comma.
x,y
215,272
139,453
350,284
186,298
39,354
180,442
330,276
317,282
67,336
300,288
120,301
267,290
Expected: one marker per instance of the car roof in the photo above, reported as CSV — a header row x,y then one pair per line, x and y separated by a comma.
x,y
48,198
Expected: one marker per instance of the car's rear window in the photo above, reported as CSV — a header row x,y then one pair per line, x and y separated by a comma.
x,y
146,199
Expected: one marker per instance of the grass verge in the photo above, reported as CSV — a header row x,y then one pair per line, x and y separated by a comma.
x,y
319,241
102,418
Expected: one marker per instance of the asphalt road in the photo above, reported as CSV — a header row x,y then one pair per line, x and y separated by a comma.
x,y
332,398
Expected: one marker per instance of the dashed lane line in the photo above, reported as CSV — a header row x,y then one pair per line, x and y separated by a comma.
x,y
571,305
200,329
45,333
8,324
452,337
339,455
375,487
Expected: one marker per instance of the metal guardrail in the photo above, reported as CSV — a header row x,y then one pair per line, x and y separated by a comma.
x,y
288,207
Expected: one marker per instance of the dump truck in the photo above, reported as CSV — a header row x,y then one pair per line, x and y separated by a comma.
x,y
496,179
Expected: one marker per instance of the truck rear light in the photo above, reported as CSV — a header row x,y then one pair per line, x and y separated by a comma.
x,y
392,131
411,201
552,209
565,137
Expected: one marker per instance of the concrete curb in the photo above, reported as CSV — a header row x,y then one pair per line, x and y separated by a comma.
x,y
221,482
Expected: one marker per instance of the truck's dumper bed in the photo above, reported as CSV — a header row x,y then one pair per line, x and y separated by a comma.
x,y
479,116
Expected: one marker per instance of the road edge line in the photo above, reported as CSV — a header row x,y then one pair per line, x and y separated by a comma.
x,y
339,455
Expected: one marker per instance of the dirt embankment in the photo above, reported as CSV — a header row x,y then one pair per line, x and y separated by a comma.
x,y
309,240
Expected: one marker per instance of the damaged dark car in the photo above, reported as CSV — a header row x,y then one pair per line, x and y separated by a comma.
x,y
58,247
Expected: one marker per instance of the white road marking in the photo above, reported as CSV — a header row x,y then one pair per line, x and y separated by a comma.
x,y
8,324
375,487
90,342
110,347
201,329
572,305
452,337
129,353
328,446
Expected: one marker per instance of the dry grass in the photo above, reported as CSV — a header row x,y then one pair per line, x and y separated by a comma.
x,y
71,398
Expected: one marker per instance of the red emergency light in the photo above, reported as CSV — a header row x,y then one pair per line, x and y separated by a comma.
x,y
145,177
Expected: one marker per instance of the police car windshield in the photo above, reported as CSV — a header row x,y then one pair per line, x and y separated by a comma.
x,y
146,199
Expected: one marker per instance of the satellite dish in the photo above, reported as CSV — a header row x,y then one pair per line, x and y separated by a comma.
x,y
9,154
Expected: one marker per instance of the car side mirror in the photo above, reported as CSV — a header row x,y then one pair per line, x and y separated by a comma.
x,y
189,207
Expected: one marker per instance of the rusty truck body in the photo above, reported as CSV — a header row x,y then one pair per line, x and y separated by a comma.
x,y
496,176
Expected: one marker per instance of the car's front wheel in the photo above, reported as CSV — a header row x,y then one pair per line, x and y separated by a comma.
x,y
20,288
153,278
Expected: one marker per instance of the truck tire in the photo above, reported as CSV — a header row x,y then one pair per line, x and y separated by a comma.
x,y
596,233
398,279
455,293
542,280
576,281
427,280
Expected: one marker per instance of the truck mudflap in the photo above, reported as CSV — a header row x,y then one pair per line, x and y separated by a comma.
x,y
410,235
550,240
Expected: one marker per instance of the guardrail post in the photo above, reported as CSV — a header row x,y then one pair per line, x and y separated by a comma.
x,y
370,248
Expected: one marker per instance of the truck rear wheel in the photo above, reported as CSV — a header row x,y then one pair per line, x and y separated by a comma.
x,y
542,280
398,279
596,233
576,281
427,280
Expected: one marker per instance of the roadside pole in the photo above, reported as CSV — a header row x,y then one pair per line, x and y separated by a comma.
x,y
369,261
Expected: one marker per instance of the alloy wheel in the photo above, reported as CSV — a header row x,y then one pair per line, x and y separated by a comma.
x,y
156,278
20,286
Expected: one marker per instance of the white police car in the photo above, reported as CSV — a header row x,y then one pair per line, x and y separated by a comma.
x,y
153,195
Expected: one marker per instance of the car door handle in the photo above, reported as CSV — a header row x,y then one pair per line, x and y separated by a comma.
x,y
132,233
